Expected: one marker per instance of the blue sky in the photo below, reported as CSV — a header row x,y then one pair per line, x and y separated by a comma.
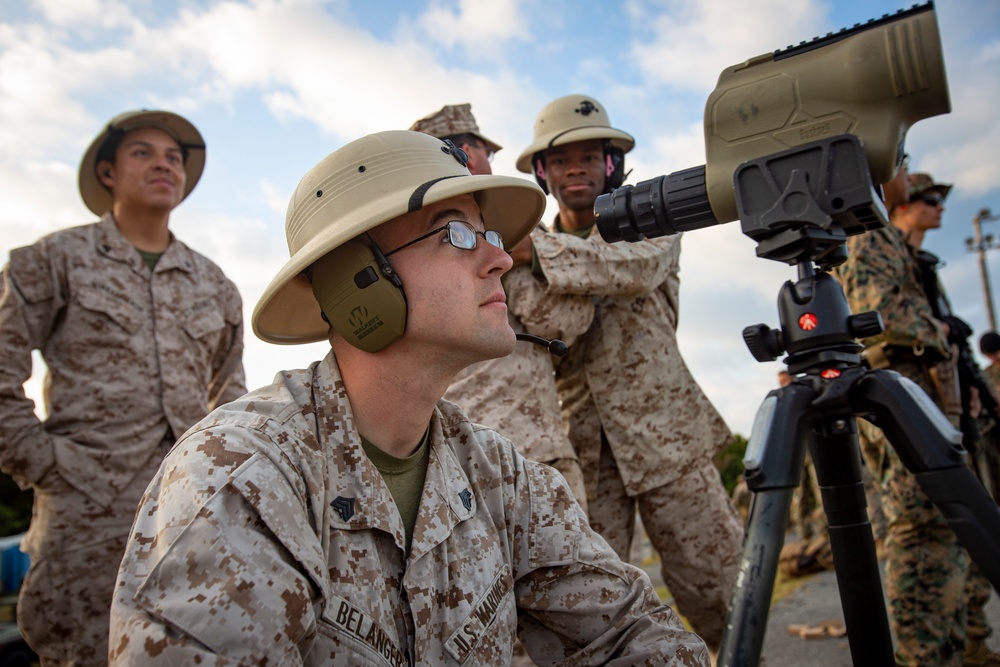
x,y
275,85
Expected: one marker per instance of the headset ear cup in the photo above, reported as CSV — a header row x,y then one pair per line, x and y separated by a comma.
x,y
540,172
616,168
361,295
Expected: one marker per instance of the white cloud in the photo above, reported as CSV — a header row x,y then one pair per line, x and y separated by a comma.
x,y
473,24
688,44
80,13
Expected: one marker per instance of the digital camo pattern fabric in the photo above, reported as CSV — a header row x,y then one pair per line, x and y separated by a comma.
x,y
626,372
268,538
624,383
133,357
65,600
881,274
926,569
129,355
695,530
516,394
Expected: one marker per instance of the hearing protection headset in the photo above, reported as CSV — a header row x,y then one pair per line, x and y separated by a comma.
x,y
361,295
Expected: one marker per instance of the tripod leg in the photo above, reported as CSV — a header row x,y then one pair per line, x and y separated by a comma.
x,y
837,459
774,467
930,448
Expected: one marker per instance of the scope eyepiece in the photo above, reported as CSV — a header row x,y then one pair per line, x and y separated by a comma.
x,y
669,204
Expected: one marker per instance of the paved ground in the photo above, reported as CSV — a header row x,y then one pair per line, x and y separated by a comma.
x,y
813,600
816,600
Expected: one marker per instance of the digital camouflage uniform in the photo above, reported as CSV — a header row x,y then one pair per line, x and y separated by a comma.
x,y
926,568
642,427
517,394
271,518
134,357
992,440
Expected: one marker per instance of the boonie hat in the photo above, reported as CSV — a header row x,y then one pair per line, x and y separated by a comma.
x,y
568,119
97,197
920,183
362,185
453,119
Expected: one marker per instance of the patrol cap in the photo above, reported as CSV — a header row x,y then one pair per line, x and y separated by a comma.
x,y
569,119
921,183
989,343
97,197
362,185
453,119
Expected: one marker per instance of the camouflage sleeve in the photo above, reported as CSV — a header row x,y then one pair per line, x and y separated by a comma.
x,y
879,275
579,603
228,377
573,265
30,302
226,527
543,313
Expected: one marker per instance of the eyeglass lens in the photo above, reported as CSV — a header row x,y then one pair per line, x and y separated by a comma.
x,y
463,235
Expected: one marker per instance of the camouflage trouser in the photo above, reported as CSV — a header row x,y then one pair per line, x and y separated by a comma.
x,y
806,513
76,547
977,593
692,525
926,569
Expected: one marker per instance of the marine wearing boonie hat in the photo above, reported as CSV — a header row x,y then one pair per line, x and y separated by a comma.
x,y
922,182
452,120
95,195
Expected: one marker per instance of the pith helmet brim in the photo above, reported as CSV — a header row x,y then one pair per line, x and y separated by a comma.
x,y
360,186
98,198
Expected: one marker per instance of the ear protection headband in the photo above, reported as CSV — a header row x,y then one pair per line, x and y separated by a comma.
x,y
614,159
361,295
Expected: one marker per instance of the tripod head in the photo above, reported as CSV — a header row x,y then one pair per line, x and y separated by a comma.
x,y
800,205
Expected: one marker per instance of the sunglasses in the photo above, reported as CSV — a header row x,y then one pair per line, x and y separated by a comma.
x,y
931,199
461,235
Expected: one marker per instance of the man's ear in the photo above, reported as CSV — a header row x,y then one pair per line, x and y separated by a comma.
x,y
105,173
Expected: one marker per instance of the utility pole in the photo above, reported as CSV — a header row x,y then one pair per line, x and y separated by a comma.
x,y
981,244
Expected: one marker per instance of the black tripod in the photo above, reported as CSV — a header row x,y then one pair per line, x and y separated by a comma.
x,y
800,205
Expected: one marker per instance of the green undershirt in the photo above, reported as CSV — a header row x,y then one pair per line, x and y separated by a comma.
x,y
151,258
404,477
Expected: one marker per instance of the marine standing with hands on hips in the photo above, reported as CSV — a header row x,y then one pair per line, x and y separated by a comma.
x,y
142,337
345,514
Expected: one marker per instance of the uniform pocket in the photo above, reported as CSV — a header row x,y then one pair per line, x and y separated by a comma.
x,y
203,319
486,636
112,307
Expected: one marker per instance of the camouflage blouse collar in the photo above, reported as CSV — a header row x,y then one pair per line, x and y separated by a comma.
x,y
112,243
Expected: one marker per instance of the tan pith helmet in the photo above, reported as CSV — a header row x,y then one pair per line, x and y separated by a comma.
x,y
451,120
362,185
97,197
568,119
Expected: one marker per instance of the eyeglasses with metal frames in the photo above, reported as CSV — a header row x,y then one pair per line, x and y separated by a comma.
x,y
461,235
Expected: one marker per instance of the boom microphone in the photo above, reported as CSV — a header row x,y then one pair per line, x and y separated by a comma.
x,y
555,346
